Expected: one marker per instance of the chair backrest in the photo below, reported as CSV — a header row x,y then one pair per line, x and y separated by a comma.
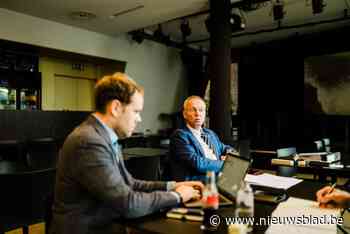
x,y
25,192
285,170
144,163
42,153
11,150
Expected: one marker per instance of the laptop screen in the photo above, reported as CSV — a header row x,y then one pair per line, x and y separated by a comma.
x,y
233,172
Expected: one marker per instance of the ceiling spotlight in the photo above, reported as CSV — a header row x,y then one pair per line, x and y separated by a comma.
x,y
236,23
185,28
277,10
317,6
137,35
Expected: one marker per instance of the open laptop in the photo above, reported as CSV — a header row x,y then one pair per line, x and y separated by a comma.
x,y
233,172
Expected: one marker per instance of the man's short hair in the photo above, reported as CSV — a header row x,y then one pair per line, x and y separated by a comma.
x,y
117,86
191,98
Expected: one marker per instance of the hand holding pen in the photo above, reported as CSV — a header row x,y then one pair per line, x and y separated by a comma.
x,y
329,197
332,188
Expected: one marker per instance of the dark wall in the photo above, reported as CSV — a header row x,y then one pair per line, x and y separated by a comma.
x,y
271,80
26,125
197,78
271,83
271,91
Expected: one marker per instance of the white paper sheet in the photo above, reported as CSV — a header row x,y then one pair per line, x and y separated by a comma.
x,y
296,208
272,180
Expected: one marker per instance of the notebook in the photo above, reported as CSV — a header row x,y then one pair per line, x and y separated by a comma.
x,y
233,172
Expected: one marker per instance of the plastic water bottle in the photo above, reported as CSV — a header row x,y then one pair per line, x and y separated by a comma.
x,y
245,205
210,201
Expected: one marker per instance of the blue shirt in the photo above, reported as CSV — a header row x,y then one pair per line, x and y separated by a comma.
x,y
112,136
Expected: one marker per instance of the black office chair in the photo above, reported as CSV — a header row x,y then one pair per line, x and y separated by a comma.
x,y
11,150
23,198
42,153
144,168
285,170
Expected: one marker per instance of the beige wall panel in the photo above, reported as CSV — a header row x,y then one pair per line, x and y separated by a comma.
x,y
85,95
66,94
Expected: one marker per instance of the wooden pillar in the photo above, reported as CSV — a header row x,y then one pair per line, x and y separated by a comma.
x,y
219,68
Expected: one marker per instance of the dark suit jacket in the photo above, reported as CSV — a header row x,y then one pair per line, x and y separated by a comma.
x,y
93,190
187,158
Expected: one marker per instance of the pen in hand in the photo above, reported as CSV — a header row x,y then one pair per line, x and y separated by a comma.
x,y
332,188
330,197
329,192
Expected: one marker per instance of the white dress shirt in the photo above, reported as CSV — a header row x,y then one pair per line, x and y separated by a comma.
x,y
209,153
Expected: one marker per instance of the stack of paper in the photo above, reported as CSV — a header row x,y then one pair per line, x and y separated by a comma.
x,y
272,181
303,216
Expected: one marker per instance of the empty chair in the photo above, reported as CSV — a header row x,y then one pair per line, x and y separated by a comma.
x,y
285,170
25,192
11,150
42,153
144,163
144,168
